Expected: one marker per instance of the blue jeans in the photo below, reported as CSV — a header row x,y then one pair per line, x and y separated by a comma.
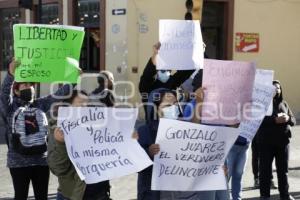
x,y
236,162
59,196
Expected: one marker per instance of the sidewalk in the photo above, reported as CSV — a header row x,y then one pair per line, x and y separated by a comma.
x,y
125,188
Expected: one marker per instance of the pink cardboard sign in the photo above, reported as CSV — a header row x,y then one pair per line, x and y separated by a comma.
x,y
229,86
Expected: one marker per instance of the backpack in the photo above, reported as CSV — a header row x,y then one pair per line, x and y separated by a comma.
x,y
29,131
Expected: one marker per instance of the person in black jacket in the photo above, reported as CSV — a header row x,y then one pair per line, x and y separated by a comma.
x,y
152,79
104,92
274,139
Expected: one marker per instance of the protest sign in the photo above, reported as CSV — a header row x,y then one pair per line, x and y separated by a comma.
x,y
228,87
265,77
181,45
47,53
262,97
191,156
99,142
270,109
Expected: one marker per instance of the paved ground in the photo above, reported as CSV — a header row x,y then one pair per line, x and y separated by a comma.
x,y
125,188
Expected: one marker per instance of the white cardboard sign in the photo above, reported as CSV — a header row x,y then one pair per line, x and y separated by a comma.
x,y
191,156
99,142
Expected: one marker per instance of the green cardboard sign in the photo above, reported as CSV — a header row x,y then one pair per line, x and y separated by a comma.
x,y
47,53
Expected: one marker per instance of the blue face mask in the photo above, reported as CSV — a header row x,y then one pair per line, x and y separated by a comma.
x,y
163,76
171,112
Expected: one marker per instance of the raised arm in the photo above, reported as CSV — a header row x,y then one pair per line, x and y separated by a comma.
x,y
5,95
180,77
63,92
148,77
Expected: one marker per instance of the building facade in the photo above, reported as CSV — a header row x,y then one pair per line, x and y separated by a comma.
x,y
120,35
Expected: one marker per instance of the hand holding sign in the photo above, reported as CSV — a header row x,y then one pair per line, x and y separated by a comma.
x,y
59,135
282,118
12,66
154,149
200,95
156,48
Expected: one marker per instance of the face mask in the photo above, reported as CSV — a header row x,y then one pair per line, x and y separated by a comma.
x,y
171,112
26,95
163,76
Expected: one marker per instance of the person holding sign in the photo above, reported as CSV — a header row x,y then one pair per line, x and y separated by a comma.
x,y
27,125
166,107
274,138
152,79
104,92
70,185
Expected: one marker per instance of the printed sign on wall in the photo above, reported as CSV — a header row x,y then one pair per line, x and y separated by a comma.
x,y
247,42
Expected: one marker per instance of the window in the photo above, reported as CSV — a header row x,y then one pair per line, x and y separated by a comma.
x,y
50,14
217,28
213,29
87,15
8,17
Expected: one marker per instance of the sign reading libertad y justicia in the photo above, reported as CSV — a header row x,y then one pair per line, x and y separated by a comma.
x,y
47,53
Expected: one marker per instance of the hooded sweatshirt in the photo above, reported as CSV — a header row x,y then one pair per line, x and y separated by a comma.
x,y
277,134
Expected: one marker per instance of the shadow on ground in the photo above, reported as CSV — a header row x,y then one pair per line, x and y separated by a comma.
x,y
50,197
294,168
296,195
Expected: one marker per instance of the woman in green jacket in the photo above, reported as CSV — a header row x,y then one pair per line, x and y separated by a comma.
x,y
70,185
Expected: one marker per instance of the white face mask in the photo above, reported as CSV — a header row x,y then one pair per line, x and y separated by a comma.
x,y
171,112
163,76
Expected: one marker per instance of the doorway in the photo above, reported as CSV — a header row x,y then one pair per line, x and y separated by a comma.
x,y
217,28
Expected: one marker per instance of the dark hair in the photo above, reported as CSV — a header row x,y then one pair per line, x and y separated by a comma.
x,y
160,94
16,85
101,80
74,94
278,99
